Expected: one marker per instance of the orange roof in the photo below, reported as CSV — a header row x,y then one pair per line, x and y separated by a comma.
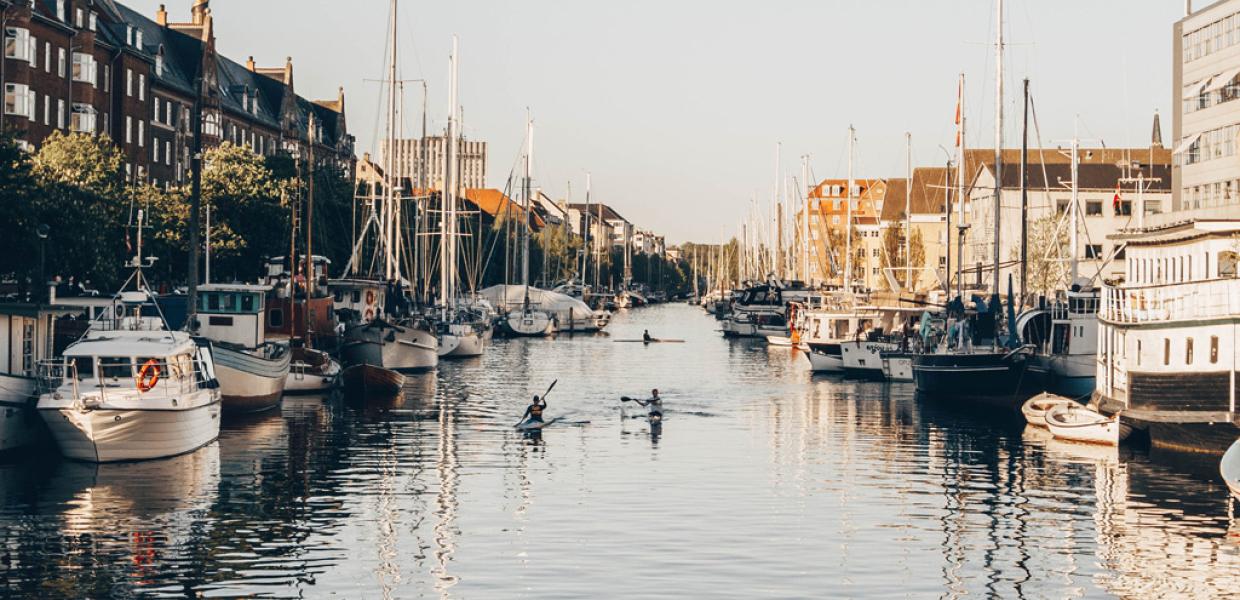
x,y
494,203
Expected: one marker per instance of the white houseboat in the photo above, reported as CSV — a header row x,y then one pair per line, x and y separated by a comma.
x,y
27,336
1167,335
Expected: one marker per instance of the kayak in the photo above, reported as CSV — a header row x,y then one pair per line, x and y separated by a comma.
x,y
654,341
533,425
655,418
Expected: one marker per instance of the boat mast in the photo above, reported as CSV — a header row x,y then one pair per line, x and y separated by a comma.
x,y
1024,199
998,138
308,225
1073,210
388,224
908,210
447,222
852,137
585,238
961,226
805,222
525,231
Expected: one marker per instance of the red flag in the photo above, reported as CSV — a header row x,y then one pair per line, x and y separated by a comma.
x,y
959,102
1115,202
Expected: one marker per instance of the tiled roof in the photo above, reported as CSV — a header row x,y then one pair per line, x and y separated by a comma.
x,y
494,203
609,214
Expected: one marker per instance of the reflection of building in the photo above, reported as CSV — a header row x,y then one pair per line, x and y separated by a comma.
x,y
410,163
1204,78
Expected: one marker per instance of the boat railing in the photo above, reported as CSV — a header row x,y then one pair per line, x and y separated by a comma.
x,y
1166,303
173,380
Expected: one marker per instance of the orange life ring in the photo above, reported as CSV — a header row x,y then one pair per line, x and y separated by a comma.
x,y
370,297
370,314
148,376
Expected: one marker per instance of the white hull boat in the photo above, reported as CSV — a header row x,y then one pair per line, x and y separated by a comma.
x,y
825,359
251,380
898,366
779,341
863,359
528,323
113,434
311,372
398,347
1081,424
1230,469
1035,408
462,341
19,422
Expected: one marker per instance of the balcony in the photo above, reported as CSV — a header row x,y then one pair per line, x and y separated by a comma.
x,y
1219,298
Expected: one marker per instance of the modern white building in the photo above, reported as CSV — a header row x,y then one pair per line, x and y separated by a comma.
x,y
1206,123
410,164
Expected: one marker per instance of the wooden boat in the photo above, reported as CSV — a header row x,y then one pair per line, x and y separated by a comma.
x,y
1081,424
1035,408
369,380
312,372
251,369
1230,468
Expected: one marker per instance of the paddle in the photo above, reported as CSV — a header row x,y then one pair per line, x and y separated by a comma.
x,y
544,398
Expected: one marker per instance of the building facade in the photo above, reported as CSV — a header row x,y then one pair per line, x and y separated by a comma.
x,y
1206,124
418,158
101,68
829,212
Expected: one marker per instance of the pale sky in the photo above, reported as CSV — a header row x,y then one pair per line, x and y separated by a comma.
x,y
676,106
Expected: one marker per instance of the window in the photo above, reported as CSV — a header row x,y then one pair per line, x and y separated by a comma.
x,y
1166,351
1188,351
79,19
107,78
83,118
84,68
47,57
47,110
60,62
114,368
94,21
141,134
1093,251
141,87
276,318
156,109
1138,353
33,46
17,44
1213,349
129,82
1227,263
128,129
1093,208
168,153
159,65
155,151
60,9
17,100
1123,208
60,114
876,253
1061,205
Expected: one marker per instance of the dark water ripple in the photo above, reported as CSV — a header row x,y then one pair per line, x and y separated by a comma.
x,y
764,481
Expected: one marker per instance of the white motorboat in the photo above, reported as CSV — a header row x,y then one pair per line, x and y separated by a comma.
x,y
1230,468
527,322
897,366
311,372
780,341
462,340
251,370
131,390
863,359
1035,408
1077,423
825,358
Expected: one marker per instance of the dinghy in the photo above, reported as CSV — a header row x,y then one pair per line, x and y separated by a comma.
x,y
1230,468
369,380
1081,424
1035,408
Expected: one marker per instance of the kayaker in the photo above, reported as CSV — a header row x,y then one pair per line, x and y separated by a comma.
x,y
646,336
654,403
534,412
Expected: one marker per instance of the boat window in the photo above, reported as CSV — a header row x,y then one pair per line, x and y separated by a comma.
x,y
85,366
1138,353
213,301
248,302
339,296
1213,349
357,296
275,318
1166,351
1188,351
115,368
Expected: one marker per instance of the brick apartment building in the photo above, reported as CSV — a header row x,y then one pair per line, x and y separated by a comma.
x,y
96,66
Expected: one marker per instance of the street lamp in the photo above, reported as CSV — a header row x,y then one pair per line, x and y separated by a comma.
x,y
42,231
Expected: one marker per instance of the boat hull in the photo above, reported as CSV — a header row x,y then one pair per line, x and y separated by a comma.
x,y
898,367
370,380
1229,467
311,372
1073,423
1035,408
991,378
527,324
825,358
863,360
462,341
249,382
404,349
115,435
20,425
1072,375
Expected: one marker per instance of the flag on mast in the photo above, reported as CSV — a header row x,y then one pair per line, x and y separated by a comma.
x,y
959,101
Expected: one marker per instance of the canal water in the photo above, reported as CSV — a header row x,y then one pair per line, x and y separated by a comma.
x,y
763,482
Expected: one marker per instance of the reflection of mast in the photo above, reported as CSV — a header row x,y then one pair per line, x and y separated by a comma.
x,y
445,526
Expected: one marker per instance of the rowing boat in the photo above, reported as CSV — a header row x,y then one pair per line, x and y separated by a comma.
x,y
1035,408
1081,424
1230,468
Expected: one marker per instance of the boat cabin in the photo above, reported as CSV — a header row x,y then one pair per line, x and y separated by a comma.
x,y
129,363
364,300
278,274
29,334
235,313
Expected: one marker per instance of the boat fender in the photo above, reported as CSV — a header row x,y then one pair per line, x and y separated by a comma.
x,y
370,314
148,376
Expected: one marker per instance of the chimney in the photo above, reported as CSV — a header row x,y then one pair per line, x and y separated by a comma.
x,y
288,71
199,11
249,64
1156,139
161,16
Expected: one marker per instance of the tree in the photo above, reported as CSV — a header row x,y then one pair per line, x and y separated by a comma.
x,y
249,211
90,163
1047,268
19,191
836,247
895,259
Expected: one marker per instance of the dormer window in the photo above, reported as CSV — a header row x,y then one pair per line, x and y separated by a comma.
x,y
94,22
159,64
129,34
60,10
138,41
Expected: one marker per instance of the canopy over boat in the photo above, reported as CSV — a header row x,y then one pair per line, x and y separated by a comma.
x,y
508,297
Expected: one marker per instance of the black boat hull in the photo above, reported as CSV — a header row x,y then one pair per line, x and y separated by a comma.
x,y
994,378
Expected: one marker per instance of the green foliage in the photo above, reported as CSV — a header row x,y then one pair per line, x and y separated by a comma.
x,y
86,162
249,218
20,191
1048,249
895,259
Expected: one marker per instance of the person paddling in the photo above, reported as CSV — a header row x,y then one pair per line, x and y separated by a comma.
x,y
646,336
534,412
654,403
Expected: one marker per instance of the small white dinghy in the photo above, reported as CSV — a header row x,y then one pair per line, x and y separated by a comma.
x,y
1230,468
1035,408
1076,423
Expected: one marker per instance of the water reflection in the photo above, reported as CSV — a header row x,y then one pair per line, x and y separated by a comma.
x,y
764,481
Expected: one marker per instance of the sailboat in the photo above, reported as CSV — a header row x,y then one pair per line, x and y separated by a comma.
x,y
973,360
463,332
131,389
381,330
527,320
